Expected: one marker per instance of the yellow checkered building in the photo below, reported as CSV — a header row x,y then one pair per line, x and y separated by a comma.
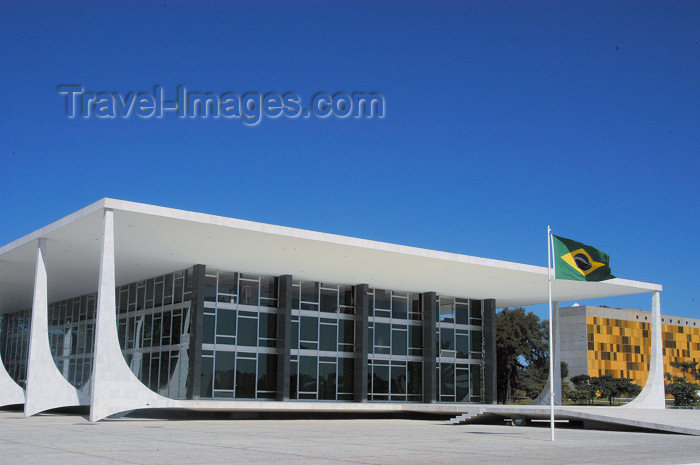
x,y
610,341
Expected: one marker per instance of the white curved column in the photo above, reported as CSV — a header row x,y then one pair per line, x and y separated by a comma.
x,y
653,394
114,388
46,386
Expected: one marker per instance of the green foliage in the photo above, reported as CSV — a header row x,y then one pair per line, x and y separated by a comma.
x,y
587,388
687,368
521,340
611,387
684,392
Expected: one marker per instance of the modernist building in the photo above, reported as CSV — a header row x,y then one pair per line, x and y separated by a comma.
x,y
600,341
124,305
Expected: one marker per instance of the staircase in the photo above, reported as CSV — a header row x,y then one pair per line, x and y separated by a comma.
x,y
465,417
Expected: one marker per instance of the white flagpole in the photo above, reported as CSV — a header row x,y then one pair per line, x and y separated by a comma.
x,y
551,338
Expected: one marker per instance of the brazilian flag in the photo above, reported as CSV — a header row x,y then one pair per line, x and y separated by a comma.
x,y
580,262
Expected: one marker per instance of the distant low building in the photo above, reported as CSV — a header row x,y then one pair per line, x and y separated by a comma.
x,y
616,341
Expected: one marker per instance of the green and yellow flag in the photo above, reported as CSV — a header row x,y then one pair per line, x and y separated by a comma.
x,y
580,262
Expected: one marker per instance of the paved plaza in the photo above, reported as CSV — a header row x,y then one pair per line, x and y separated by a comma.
x,y
70,439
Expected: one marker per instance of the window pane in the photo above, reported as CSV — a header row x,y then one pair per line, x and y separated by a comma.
x,y
447,339
462,385
309,291
225,322
208,333
382,334
326,380
328,338
399,308
415,337
476,341
415,377
346,331
247,332
223,374
346,373
268,325
475,375
447,381
398,342
267,372
381,299
398,380
346,296
228,282
462,311
245,378
307,374
268,287
329,300
380,375
462,346
209,290
309,329
248,292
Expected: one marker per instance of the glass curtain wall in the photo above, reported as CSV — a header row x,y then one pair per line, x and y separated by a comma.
x,y
153,324
459,345
396,346
15,347
239,344
323,338
153,329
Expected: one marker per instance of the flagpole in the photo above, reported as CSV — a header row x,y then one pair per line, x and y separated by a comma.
x,y
551,338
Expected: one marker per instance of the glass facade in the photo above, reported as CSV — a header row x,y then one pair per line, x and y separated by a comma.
x,y
396,346
239,339
459,349
236,353
153,324
15,346
153,328
323,341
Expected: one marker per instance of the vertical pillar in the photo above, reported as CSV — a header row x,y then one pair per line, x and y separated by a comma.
x,y
46,386
361,341
194,372
284,332
489,335
113,386
653,394
429,308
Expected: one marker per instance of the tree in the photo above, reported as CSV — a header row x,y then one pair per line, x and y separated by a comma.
x,y
583,391
611,387
533,377
684,392
521,339
588,388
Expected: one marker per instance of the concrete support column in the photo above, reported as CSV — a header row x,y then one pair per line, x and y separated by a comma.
x,y
653,394
543,397
11,393
429,307
489,336
284,335
46,386
362,341
113,387
194,372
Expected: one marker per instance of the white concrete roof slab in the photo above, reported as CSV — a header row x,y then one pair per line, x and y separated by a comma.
x,y
152,240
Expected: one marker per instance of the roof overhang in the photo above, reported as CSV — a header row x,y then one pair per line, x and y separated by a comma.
x,y
152,240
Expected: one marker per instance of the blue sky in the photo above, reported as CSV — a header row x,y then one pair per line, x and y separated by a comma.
x,y
501,118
